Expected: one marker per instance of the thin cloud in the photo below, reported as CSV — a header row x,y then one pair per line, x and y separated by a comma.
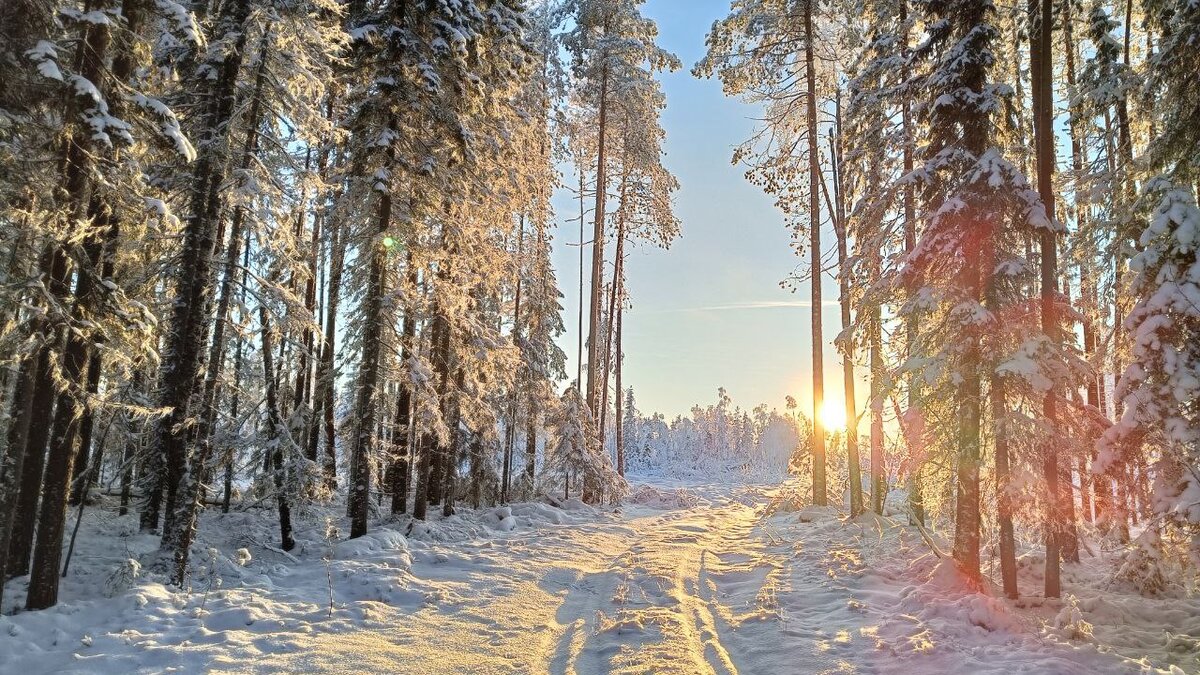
x,y
741,306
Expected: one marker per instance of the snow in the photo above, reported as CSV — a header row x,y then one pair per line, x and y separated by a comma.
x,y
168,125
182,20
45,55
683,576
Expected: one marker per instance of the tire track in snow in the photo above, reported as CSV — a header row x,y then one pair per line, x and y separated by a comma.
x,y
690,590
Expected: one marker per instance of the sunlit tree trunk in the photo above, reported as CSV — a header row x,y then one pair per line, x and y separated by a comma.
x,y
598,223
1042,67
618,361
366,401
846,344
820,490
916,501
1092,488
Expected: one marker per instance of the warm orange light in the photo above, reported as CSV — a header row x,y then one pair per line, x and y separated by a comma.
x,y
833,415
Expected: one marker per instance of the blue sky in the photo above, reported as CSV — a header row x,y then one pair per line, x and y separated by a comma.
x,y
709,312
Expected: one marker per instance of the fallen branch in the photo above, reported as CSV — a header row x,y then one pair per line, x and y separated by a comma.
x,y
280,551
926,536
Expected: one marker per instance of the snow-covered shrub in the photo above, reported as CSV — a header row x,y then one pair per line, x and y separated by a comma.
x,y
1141,567
122,578
1069,623
243,557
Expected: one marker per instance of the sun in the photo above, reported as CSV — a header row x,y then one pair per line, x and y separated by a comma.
x,y
833,415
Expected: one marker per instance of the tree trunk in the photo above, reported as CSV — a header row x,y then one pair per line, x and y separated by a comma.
x,y
598,248
1089,485
276,433
424,470
614,301
1042,67
326,370
1004,505
976,266
579,345
10,486
183,354
366,402
510,431
530,437
450,452
878,389
91,455
820,491
401,432
428,480
619,359
966,502
303,407
847,338
64,435
64,425
12,470
916,501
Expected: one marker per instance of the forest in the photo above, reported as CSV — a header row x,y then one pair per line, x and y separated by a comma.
x,y
294,257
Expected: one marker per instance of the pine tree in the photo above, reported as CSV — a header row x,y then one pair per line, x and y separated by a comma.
x,y
962,262
613,53
573,451
753,51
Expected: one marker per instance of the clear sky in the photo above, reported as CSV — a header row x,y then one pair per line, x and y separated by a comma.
x,y
709,312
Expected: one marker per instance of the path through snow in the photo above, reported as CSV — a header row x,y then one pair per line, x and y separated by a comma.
x,y
710,586
682,591
689,580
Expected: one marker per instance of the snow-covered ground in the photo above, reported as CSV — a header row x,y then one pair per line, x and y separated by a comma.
x,y
681,578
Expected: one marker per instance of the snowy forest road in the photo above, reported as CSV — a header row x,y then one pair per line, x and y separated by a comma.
x,y
688,590
680,579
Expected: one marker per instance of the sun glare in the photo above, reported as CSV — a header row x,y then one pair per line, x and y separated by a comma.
x,y
833,415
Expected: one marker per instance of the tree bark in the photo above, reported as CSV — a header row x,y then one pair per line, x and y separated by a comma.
x,y
401,433
510,431
326,370
598,246
18,431
1004,504
366,401
878,388
183,354
618,361
916,501
1042,67
64,425
276,433
820,490
847,338
64,435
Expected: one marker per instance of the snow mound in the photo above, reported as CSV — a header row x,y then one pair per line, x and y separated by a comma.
x,y
947,596
656,498
501,519
538,512
378,541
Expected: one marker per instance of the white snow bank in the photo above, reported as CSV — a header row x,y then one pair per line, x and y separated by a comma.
x,y
372,543
115,614
660,498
